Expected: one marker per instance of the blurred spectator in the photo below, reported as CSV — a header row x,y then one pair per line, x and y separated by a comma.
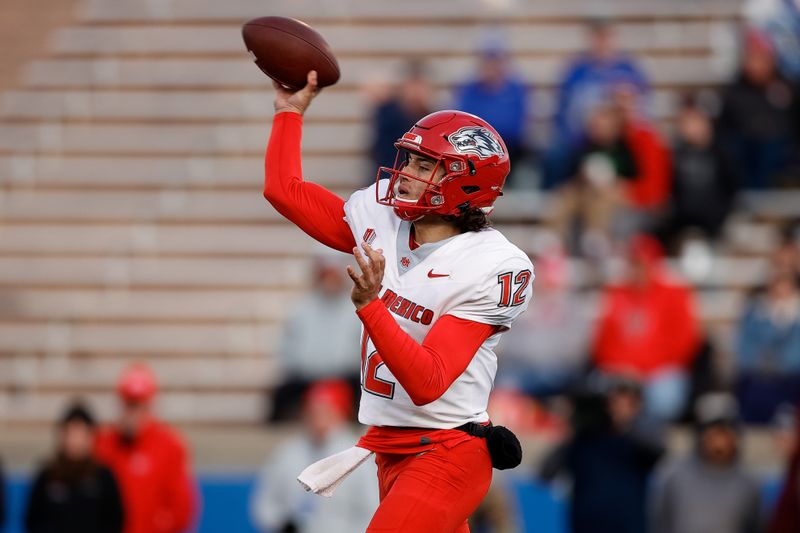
x,y
149,460
395,110
587,83
704,179
620,174
758,121
589,201
547,349
320,338
649,190
496,512
781,21
785,430
613,449
279,503
648,328
786,259
501,98
768,349
709,491
786,517
72,492
2,498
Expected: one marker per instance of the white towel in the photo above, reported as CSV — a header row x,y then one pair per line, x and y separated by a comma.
x,y
326,474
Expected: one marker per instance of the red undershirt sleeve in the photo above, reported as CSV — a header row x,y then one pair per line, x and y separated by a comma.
x,y
314,209
425,371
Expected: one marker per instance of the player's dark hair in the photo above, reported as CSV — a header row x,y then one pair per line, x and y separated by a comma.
x,y
471,219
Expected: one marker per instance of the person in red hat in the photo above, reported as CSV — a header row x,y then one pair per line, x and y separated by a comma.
x,y
148,458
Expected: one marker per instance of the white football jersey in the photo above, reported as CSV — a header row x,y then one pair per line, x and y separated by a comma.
x,y
478,276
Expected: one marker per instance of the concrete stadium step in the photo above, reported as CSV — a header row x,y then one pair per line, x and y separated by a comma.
x,y
369,39
722,306
752,238
190,106
181,407
216,446
232,306
775,205
229,73
55,339
247,106
130,306
174,374
196,206
734,272
168,139
169,171
124,272
252,240
141,206
434,12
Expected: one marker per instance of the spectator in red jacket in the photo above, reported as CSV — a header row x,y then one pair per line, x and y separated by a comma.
x,y
648,328
149,460
786,517
649,190
619,181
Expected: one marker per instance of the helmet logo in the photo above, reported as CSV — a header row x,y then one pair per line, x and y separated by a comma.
x,y
476,141
412,138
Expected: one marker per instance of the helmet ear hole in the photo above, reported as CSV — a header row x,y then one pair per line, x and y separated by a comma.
x,y
470,189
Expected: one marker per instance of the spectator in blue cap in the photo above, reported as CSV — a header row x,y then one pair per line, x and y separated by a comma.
x,y
498,96
588,81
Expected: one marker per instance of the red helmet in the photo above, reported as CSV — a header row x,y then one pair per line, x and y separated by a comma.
x,y
137,383
474,158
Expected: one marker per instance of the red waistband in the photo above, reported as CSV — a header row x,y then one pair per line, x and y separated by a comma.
x,y
401,440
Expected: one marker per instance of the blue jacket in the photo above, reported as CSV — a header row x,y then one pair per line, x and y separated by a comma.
x,y
586,83
506,108
764,345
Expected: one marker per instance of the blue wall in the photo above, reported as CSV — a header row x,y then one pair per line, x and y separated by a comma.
x,y
225,500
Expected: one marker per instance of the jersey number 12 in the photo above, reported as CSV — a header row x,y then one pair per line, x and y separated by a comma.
x,y
520,281
370,364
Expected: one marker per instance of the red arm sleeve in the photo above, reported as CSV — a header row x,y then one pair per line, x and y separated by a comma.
x,y
425,371
314,209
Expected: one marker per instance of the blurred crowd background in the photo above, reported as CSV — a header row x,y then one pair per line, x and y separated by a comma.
x,y
173,353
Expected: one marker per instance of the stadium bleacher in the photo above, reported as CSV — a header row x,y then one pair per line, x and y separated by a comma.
x,y
131,217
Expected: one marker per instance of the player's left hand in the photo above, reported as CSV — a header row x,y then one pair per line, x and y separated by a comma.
x,y
366,286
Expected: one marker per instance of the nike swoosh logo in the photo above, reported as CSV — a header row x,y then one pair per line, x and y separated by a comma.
x,y
432,275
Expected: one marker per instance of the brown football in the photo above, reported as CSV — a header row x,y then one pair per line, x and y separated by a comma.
x,y
286,49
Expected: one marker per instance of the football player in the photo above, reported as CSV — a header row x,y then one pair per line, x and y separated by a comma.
x,y
434,288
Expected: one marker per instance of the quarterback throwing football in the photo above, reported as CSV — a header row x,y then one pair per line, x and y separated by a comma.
x,y
434,288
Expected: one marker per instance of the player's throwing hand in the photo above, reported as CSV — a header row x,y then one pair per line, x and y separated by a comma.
x,y
296,101
366,286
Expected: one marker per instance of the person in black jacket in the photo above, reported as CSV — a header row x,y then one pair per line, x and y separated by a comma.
x,y
609,457
72,492
705,179
758,118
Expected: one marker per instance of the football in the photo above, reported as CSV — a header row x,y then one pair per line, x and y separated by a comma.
x,y
286,49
